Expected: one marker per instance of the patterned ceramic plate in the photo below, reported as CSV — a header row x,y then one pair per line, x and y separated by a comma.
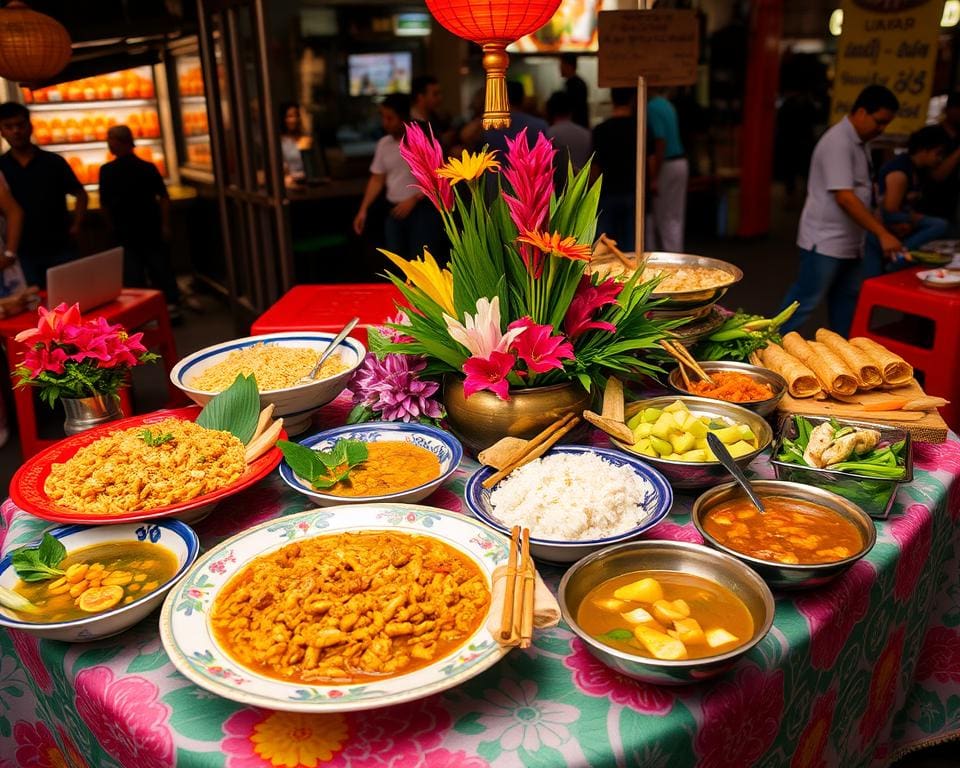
x,y
189,640
26,488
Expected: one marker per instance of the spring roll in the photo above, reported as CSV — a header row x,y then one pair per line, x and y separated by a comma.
x,y
864,368
794,344
801,381
895,370
832,371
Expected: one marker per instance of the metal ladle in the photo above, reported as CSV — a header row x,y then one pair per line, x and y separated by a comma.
x,y
721,452
331,347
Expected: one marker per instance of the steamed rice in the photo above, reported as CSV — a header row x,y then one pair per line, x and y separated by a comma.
x,y
273,366
572,497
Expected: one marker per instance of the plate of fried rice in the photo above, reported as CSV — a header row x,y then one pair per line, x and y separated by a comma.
x,y
155,465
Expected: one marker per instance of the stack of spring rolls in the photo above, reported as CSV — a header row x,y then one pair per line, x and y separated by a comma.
x,y
833,366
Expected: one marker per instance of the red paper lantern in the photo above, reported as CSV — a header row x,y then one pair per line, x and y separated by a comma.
x,y
493,24
33,46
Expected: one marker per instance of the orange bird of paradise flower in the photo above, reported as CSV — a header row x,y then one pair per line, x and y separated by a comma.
x,y
553,244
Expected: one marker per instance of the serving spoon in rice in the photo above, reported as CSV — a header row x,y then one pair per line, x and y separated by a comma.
x,y
330,349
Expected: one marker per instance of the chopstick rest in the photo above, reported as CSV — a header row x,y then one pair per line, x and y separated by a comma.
x,y
546,609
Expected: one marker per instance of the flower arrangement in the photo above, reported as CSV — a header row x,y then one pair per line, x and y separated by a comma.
x,y
71,357
517,306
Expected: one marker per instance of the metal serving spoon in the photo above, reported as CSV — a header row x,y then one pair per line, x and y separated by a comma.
x,y
721,452
331,347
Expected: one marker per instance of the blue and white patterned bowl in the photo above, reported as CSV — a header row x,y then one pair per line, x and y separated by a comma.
x,y
295,404
177,537
658,501
442,444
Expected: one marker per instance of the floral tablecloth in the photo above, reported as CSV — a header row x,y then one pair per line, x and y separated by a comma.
x,y
852,674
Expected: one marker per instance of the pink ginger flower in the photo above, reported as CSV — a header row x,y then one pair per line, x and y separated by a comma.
x,y
480,333
489,373
51,325
391,388
538,348
425,157
586,301
40,359
530,174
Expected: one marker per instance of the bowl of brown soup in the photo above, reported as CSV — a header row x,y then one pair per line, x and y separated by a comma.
x,y
806,537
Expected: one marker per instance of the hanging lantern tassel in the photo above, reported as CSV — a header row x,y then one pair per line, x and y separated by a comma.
x,y
493,24
33,46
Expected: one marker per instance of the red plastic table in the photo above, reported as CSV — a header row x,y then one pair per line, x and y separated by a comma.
x,y
135,309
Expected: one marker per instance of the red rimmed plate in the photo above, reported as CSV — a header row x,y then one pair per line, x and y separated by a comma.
x,y
26,488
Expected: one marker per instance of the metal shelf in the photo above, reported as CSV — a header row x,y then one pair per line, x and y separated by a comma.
x,y
197,137
76,106
193,100
81,145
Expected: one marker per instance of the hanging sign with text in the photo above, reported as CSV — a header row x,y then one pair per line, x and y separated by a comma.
x,y
661,46
891,43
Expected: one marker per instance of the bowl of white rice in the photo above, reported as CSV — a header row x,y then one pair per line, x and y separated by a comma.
x,y
575,500
279,361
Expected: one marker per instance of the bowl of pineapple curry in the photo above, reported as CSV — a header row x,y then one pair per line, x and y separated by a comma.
x,y
86,582
666,612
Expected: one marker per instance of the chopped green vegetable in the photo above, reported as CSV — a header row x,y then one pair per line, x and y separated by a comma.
x,y
154,440
741,335
617,634
40,563
235,410
324,469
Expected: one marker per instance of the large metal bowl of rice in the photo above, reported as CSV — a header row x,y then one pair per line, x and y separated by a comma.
x,y
575,500
279,361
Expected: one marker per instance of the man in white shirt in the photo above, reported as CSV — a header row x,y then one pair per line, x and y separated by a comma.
x,y
837,213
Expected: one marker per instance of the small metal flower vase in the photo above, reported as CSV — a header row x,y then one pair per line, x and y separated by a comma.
x,y
87,412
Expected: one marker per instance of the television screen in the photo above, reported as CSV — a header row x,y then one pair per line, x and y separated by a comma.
x,y
573,29
376,74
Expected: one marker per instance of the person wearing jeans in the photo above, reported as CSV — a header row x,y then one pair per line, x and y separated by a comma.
x,y
899,188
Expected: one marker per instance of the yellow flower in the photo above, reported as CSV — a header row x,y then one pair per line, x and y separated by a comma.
x,y
469,167
293,739
427,275
553,244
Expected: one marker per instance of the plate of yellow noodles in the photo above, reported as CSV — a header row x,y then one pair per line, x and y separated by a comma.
x,y
389,603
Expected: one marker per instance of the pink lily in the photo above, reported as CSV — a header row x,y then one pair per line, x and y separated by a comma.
x,y
530,174
588,299
425,157
52,324
480,333
488,373
39,359
540,350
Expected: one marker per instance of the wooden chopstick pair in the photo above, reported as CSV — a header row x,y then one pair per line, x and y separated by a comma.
x,y
612,245
518,602
535,447
681,354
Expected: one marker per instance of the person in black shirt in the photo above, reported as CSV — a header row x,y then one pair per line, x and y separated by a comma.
x,y
940,194
40,182
134,196
576,88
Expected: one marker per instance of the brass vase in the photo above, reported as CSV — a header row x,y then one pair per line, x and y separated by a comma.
x,y
483,418
84,413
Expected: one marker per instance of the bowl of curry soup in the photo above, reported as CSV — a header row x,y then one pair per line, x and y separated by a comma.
x,y
665,612
807,536
405,463
112,577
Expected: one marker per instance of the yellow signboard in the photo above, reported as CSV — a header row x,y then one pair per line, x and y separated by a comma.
x,y
892,43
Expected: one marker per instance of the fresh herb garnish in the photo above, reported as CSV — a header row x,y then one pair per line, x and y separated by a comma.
x,y
40,563
235,410
324,469
154,440
621,635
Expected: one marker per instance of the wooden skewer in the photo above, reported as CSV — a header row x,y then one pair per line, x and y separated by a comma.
x,y
692,362
681,362
534,452
506,622
529,582
612,245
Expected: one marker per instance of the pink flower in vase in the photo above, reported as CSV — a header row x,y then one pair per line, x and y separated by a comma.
x,y
391,387
489,373
913,531
597,679
425,157
540,350
50,327
41,359
586,301
529,171
480,333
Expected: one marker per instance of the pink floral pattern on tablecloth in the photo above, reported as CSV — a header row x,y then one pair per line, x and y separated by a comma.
x,y
942,457
126,716
940,658
813,740
883,688
439,758
913,531
597,679
673,532
29,653
741,717
260,738
833,610
38,748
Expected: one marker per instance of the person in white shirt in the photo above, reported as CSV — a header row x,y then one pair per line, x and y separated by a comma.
x,y
573,142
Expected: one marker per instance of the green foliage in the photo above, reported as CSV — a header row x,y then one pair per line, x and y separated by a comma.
x,y
235,410
324,469
40,563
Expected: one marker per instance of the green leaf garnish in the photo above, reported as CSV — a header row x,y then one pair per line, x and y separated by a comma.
x,y
622,635
324,469
39,563
154,440
235,410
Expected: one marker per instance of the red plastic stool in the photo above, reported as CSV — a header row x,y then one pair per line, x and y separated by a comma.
x,y
329,308
902,292
136,309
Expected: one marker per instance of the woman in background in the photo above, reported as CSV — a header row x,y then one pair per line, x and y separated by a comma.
x,y
292,143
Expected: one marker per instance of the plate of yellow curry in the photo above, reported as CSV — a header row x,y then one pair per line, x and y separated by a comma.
x,y
339,609
377,461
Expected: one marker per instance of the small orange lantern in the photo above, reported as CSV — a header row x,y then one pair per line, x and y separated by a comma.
x,y
33,46
493,24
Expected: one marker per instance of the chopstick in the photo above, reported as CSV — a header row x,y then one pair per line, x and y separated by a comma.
x,y
612,245
529,582
681,354
538,446
507,619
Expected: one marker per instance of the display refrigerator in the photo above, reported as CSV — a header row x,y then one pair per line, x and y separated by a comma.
x,y
193,142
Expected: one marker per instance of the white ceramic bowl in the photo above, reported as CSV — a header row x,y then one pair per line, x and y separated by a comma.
x,y
172,534
295,404
440,443
939,278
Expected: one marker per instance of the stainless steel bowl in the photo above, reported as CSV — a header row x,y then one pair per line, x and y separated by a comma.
x,y
784,575
775,381
873,494
701,474
679,556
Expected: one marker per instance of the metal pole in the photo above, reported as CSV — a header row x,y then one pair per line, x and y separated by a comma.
x,y
641,158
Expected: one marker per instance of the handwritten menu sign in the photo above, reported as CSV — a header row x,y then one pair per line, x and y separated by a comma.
x,y
892,43
660,45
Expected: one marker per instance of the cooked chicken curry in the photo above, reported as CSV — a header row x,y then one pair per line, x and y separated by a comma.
x,y
791,531
350,607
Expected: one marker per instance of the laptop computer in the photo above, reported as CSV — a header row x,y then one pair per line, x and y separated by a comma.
x,y
89,282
